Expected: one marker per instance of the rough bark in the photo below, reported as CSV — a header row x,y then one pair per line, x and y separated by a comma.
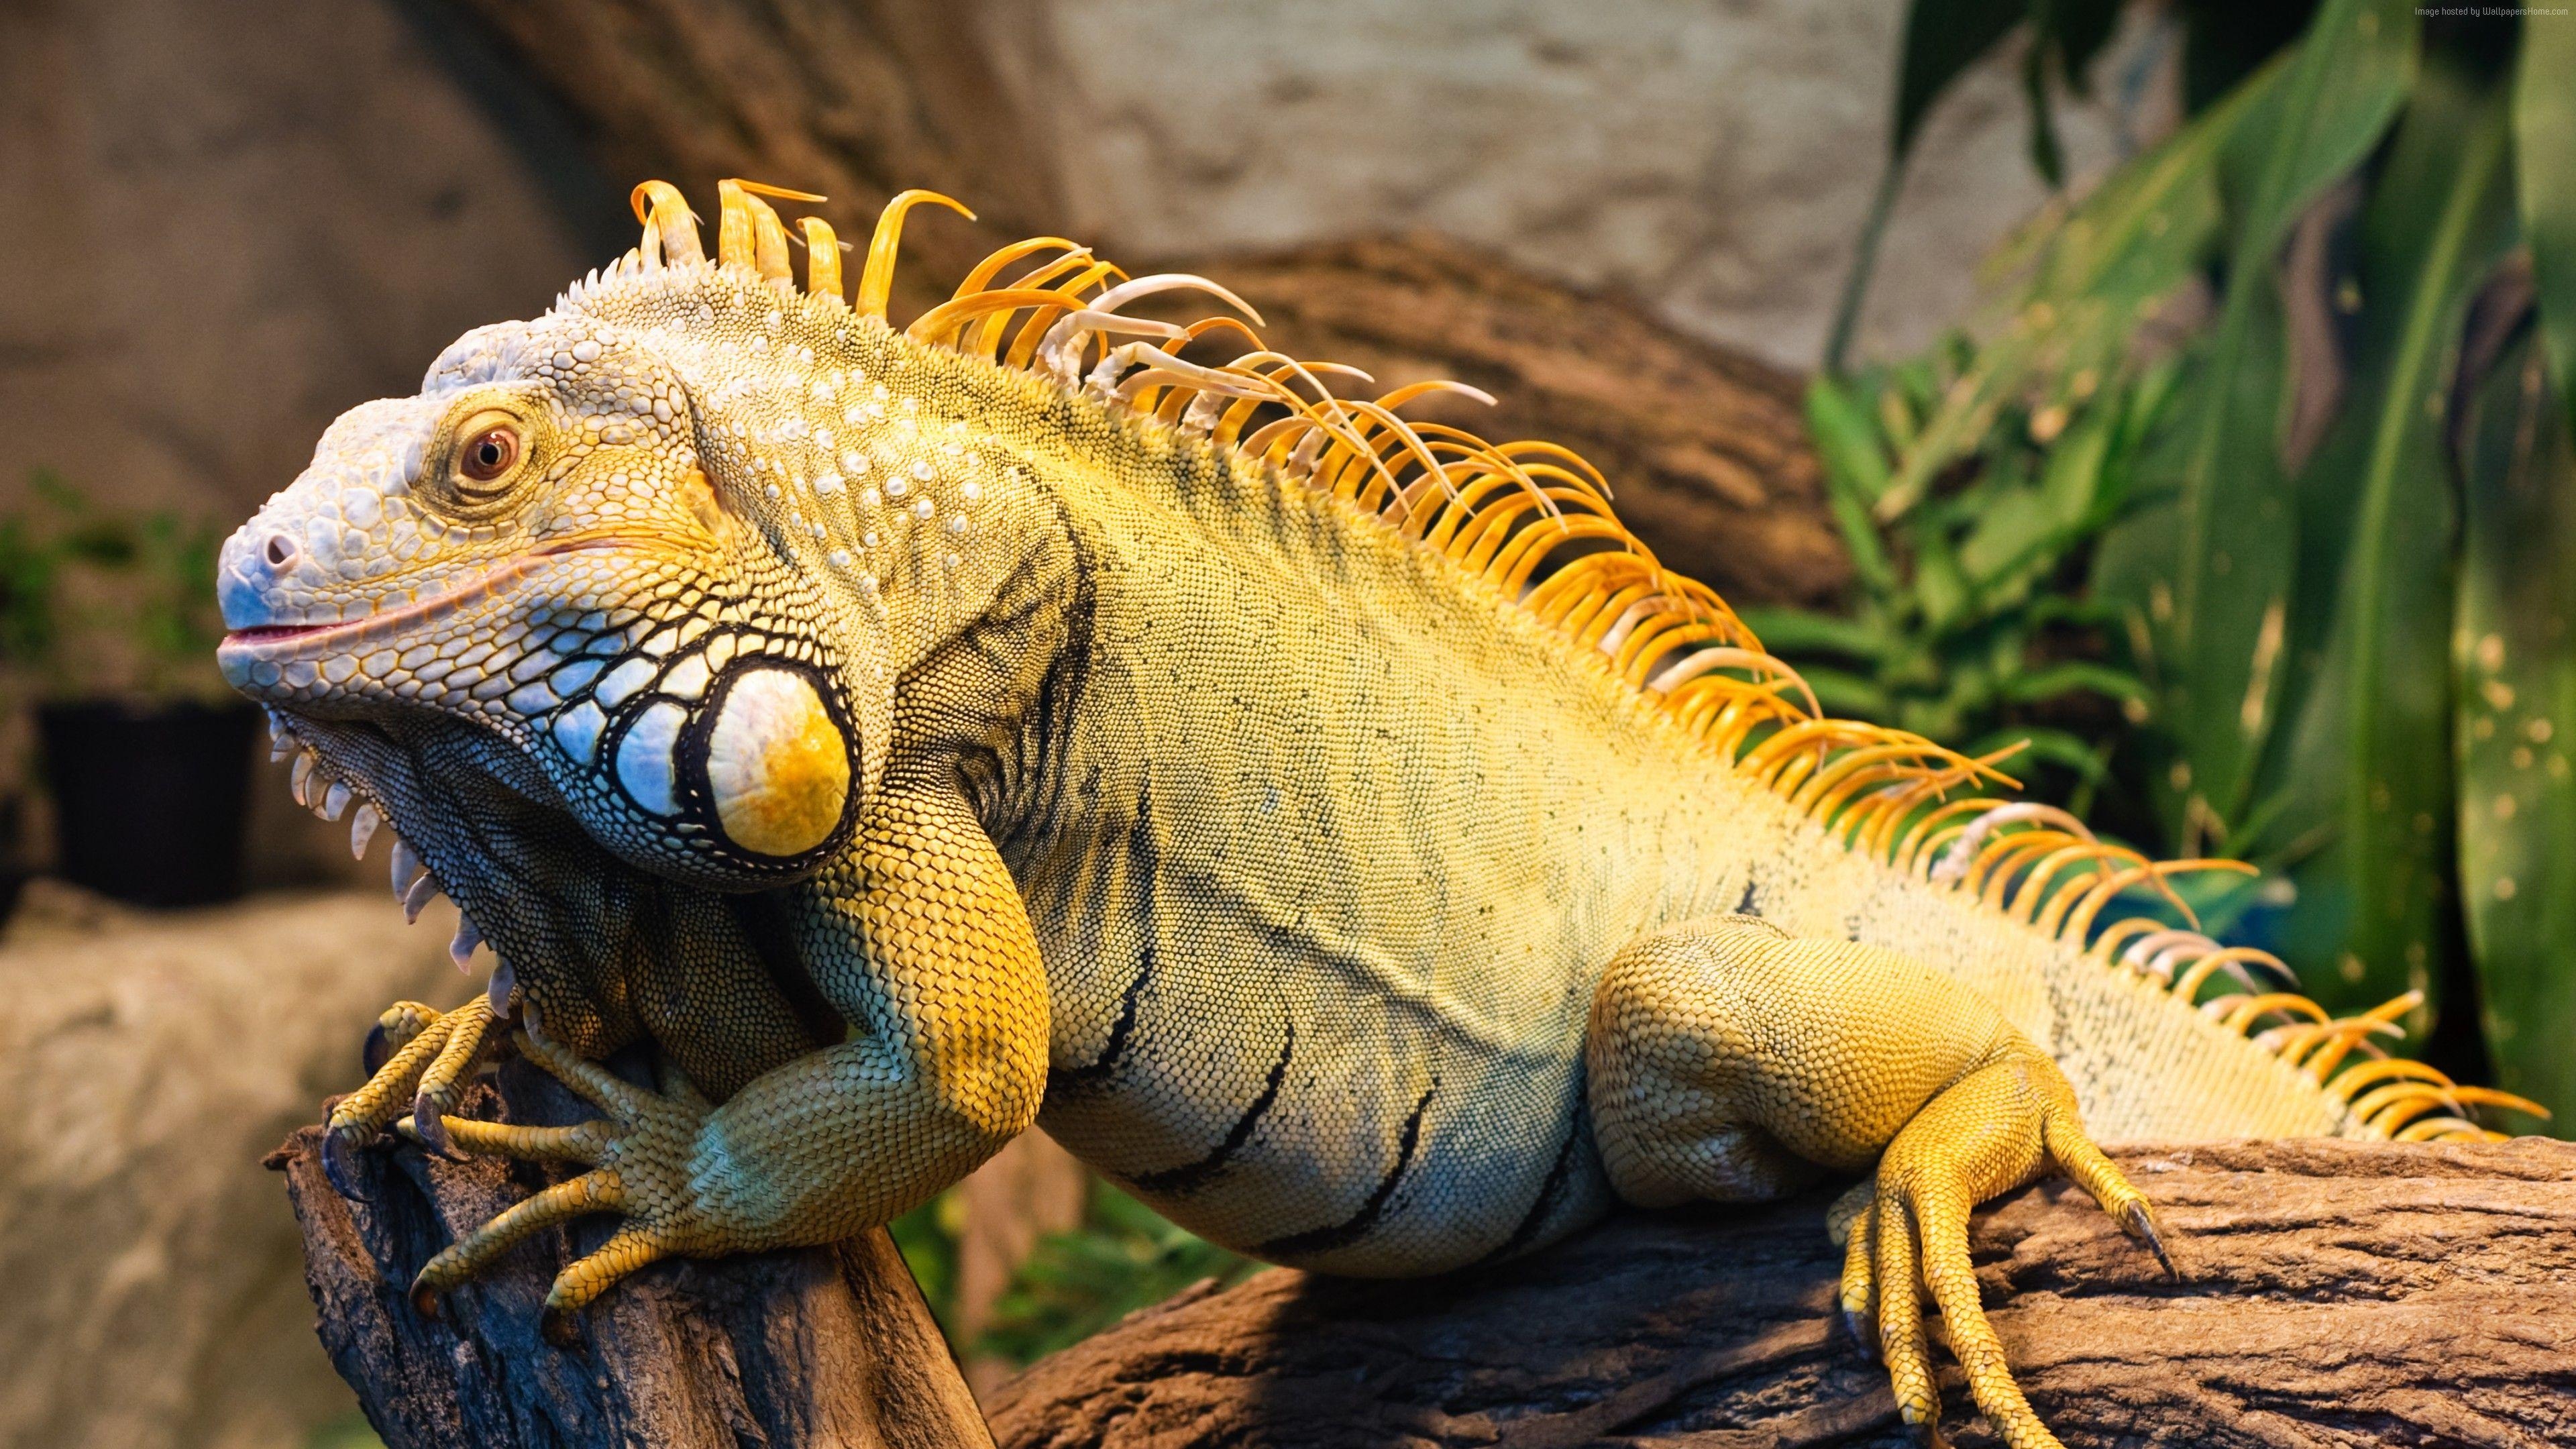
x,y
856,101
828,1346
2333,1294
1705,447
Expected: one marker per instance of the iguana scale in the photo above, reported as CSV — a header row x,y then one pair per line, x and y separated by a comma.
x,y
1338,831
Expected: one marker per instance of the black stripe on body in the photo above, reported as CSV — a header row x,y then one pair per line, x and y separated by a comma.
x,y
1747,906
1144,869
1043,740
1358,1224
1545,1203
1191,1176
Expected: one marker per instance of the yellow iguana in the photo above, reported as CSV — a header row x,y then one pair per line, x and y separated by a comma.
x,y
1338,831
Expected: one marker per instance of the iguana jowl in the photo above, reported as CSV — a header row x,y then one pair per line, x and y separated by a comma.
x,y
1338,831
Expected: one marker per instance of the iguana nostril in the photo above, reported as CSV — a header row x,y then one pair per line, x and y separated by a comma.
x,y
281,551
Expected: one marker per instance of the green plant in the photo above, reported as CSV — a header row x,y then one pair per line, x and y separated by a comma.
x,y
1966,623
1125,1256
96,602
2353,637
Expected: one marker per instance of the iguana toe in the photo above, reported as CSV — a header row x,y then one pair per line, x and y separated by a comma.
x,y
340,1166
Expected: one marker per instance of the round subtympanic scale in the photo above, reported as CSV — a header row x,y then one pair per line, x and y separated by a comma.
x,y
778,769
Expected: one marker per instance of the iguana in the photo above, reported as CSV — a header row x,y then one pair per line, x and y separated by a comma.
x,y
1335,829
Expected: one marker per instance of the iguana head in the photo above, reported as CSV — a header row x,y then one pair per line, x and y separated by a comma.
x,y
611,608
607,620
535,552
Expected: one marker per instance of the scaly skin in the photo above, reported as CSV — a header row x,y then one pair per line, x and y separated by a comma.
x,y
910,747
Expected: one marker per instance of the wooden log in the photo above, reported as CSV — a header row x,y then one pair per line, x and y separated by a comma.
x,y
824,1347
2333,1294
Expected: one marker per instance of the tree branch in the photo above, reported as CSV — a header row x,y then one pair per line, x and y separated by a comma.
x,y
828,1346
2336,1293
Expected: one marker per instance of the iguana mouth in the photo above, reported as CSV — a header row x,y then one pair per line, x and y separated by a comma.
x,y
282,641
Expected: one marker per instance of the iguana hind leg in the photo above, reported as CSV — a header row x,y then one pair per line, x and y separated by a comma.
x,y
1731,1060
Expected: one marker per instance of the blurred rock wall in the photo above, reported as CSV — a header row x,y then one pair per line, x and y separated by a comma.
x,y
228,223
225,224
1714,159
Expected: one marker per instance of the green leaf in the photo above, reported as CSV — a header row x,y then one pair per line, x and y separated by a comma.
x,y
2232,569
2544,118
2365,756
2516,721
2093,275
1800,631
2051,680
1855,474
2065,750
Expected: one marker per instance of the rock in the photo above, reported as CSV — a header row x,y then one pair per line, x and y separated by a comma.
x,y
152,1294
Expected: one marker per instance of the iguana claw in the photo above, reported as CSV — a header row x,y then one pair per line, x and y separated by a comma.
x,y
2141,1225
429,1127
427,1054
340,1168
639,1158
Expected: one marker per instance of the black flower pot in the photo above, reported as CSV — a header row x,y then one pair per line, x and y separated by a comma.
x,y
149,800
13,857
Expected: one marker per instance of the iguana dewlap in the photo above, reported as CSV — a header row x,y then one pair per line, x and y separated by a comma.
x,y
1339,832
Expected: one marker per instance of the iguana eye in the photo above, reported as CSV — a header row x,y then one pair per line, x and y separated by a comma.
x,y
489,454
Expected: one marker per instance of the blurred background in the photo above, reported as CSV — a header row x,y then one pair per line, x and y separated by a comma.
x,y
2181,388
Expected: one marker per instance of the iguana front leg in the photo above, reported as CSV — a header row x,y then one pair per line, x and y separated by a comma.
x,y
918,938
1730,1060
426,1056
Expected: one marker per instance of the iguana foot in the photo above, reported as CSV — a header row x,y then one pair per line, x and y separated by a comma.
x,y
1990,1131
418,1058
639,1159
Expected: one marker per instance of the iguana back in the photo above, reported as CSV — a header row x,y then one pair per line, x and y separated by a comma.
x,y
1336,831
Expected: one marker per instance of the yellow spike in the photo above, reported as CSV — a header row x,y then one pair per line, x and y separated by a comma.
x,y
2187,986
2322,1065
769,244
2353,1078
2255,1007
782,193
822,258
2080,924
1923,843
670,228
2117,934
989,268
935,324
876,281
2004,853
2449,1129
748,231
2041,888
733,225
